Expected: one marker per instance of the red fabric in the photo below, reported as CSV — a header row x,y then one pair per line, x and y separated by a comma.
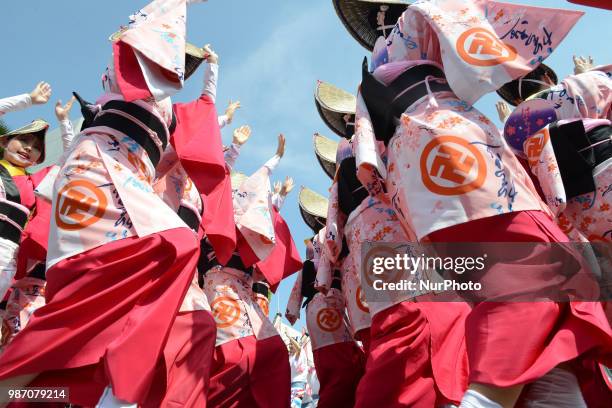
x,y
595,390
184,375
247,255
218,220
26,190
197,141
284,259
250,373
541,335
104,307
34,239
594,3
417,356
366,340
129,76
339,368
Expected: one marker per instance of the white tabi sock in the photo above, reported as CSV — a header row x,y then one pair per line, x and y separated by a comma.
x,y
108,400
474,399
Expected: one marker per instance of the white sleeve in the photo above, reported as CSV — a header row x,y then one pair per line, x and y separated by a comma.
x,y
231,155
272,163
223,121
67,133
210,81
278,200
15,103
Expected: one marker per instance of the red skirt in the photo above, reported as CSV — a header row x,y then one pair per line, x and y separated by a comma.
x,y
417,356
108,316
516,343
187,363
339,368
250,373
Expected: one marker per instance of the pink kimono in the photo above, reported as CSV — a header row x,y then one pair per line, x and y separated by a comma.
x,y
586,97
427,337
250,363
338,359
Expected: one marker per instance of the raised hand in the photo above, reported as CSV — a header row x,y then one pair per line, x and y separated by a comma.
x,y
503,110
582,64
241,135
209,55
231,109
277,187
41,93
280,149
287,186
63,112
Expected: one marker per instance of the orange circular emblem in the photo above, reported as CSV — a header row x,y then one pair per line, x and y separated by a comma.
x,y
452,166
368,274
329,319
225,310
362,304
80,204
534,145
483,48
263,304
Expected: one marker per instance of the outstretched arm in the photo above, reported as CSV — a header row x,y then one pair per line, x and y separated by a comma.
x,y
503,110
211,73
281,191
240,137
39,95
280,152
229,114
63,116
582,64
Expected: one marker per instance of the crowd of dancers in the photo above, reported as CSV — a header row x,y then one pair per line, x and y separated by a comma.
x,y
137,270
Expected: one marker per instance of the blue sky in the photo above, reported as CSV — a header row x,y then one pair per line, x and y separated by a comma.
x,y
271,54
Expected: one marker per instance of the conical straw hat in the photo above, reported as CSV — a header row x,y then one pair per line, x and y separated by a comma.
x,y
313,208
325,150
333,105
360,18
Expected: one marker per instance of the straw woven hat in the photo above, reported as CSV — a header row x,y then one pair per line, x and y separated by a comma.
x,y
194,56
509,91
360,18
313,208
237,179
333,104
37,127
325,150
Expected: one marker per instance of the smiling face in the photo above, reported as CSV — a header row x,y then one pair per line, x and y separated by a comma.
x,y
23,150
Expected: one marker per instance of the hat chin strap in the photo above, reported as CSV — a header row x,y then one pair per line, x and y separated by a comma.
x,y
347,120
380,20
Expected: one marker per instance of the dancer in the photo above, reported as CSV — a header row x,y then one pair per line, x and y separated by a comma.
x,y
442,200
122,305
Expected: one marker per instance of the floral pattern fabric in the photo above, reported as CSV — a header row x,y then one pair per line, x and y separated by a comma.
x,y
230,295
